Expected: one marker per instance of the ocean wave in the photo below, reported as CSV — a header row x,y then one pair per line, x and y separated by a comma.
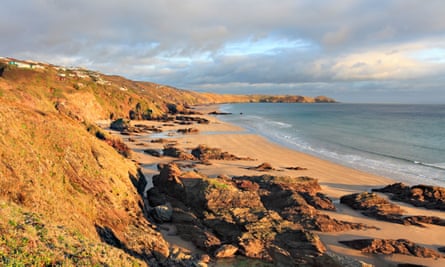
x,y
440,166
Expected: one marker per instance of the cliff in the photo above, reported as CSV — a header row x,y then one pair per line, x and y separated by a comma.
x,y
68,196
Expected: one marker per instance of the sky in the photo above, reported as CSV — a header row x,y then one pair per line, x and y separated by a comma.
x,y
376,51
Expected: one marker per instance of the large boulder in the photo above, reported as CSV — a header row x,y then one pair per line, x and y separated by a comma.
x,y
120,124
162,213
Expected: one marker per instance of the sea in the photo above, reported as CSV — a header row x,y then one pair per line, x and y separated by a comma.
x,y
399,141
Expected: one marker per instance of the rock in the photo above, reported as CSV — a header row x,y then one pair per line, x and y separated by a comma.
x,y
226,251
172,151
184,217
201,238
254,248
120,124
205,258
374,206
203,152
153,152
168,181
297,200
247,185
441,249
191,119
318,200
430,197
265,166
188,131
162,213
280,256
390,246
297,168
155,197
219,113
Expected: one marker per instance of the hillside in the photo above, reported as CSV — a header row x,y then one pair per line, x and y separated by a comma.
x,y
66,196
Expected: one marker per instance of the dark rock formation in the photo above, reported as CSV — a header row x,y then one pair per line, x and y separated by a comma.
x,y
390,246
168,181
203,152
430,197
297,168
191,119
374,206
152,152
175,152
120,124
188,131
155,197
219,113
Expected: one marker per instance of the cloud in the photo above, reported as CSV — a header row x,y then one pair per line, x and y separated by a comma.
x,y
254,45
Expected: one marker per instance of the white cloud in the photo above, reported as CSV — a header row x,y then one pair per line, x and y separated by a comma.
x,y
252,42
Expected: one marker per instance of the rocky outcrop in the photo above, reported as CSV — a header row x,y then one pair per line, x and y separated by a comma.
x,y
390,246
175,152
203,152
168,181
430,197
219,113
192,119
225,216
188,131
372,205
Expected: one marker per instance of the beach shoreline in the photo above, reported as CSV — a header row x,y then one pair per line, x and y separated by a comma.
x,y
335,180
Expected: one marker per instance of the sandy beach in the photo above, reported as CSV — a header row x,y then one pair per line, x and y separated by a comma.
x,y
335,180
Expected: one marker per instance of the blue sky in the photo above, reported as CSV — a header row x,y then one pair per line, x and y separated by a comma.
x,y
355,51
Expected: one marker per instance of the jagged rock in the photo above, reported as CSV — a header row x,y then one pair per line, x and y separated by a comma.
x,y
120,124
390,246
297,200
168,181
318,200
254,248
430,197
374,206
175,152
203,152
441,249
201,238
226,251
